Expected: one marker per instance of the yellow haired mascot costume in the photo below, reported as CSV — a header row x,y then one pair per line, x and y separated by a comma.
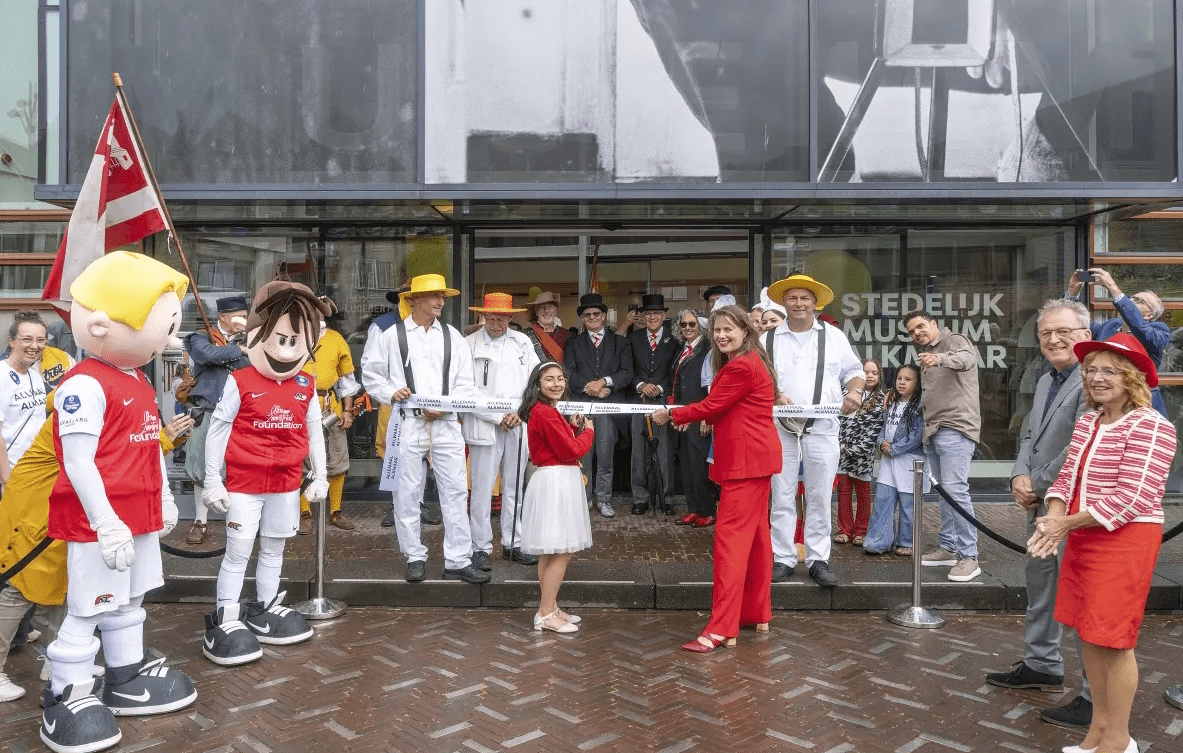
x,y
111,503
267,421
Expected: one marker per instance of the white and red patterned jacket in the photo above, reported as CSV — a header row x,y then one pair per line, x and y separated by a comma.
x,y
1126,474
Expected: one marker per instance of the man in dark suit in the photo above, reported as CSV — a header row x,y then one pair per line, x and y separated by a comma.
x,y
599,364
694,440
654,351
1047,431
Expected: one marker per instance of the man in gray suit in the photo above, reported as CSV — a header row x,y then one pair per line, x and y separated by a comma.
x,y
1046,433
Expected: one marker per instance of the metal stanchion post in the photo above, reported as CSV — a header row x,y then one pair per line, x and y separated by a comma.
x,y
916,616
318,607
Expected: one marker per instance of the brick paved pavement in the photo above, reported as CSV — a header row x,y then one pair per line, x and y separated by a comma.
x,y
480,680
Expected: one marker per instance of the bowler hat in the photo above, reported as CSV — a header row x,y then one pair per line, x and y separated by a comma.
x,y
823,294
393,295
423,285
496,303
653,302
232,303
1123,344
716,290
591,301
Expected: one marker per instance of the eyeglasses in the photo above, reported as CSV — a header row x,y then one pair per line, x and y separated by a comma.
x,y
687,325
1141,301
27,341
1106,372
1064,333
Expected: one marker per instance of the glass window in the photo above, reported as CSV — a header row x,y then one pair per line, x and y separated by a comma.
x,y
1070,90
647,90
984,284
252,91
18,104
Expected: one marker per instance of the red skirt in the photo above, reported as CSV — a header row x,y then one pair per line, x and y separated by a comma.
x,y
1104,581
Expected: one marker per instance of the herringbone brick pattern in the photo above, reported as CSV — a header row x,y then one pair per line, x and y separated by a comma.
x,y
479,681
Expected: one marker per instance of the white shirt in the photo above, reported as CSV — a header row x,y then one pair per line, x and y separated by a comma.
x,y
382,362
501,366
795,355
22,408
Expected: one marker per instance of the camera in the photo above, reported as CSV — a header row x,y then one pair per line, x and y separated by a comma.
x,y
1084,275
238,338
196,413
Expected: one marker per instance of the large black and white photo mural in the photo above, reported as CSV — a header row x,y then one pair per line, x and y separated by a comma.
x,y
610,91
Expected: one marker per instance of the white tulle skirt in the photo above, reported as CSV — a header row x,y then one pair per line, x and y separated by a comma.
x,y
554,512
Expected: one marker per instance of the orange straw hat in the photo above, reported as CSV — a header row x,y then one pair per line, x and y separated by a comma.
x,y
496,303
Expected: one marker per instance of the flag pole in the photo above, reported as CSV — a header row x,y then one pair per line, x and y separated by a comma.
x,y
172,230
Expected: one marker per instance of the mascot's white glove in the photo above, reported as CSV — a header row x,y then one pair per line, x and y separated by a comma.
x,y
170,513
115,541
215,496
317,490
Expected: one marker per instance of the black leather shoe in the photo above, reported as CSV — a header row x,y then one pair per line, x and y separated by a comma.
x,y
480,560
428,516
781,572
388,519
518,556
822,574
1174,696
640,508
1076,714
1023,677
668,509
416,571
467,574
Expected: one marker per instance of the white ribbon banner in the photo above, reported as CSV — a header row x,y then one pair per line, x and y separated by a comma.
x,y
568,407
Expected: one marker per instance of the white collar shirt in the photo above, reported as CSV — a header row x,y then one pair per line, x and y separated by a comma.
x,y
795,355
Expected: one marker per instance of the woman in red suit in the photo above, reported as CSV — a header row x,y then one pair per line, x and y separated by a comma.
x,y
747,456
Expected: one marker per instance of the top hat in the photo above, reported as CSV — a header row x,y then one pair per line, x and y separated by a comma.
x,y
715,290
422,285
232,303
1122,344
777,290
591,301
653,302
496,303
543,297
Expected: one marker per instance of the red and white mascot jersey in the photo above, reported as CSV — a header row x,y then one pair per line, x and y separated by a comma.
x,y
265,455
119,408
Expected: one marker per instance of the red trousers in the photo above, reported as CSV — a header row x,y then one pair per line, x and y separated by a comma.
x,y
848,523
742,592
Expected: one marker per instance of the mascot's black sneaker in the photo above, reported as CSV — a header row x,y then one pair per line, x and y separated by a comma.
x,y
77,722
227,641
147,688
275,624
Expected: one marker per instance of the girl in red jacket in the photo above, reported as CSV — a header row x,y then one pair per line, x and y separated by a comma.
x,y
747,456
555,523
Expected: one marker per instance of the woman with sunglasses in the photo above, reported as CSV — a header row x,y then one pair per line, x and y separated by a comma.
x,y
693,439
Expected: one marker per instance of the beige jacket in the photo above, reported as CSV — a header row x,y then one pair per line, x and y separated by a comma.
x,y
949,390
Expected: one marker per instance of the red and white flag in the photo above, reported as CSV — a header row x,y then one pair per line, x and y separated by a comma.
x,y
116,206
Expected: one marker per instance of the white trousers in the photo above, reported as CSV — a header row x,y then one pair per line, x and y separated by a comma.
x,y
484,462
442,438
819,455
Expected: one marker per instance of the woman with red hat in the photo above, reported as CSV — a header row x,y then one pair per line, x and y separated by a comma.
x,y
1107,503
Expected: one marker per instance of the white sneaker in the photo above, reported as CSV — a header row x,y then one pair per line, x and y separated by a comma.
x,y
9,691
939,558
33,635
965,569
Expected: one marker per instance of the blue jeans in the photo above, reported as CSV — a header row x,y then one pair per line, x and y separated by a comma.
x,y
882,533
948,453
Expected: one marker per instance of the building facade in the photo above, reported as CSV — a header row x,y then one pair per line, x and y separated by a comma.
x,y
964,156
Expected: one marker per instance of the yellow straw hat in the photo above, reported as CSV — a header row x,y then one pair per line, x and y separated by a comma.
x,y
777,290
422,285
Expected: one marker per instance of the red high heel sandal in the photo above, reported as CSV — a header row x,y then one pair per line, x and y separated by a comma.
x,y
698,647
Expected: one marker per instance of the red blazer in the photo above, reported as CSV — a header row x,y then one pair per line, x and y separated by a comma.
x,y
740,408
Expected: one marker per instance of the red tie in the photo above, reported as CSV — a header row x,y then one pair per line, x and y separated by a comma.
x,y
686,353
652,341
596,339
